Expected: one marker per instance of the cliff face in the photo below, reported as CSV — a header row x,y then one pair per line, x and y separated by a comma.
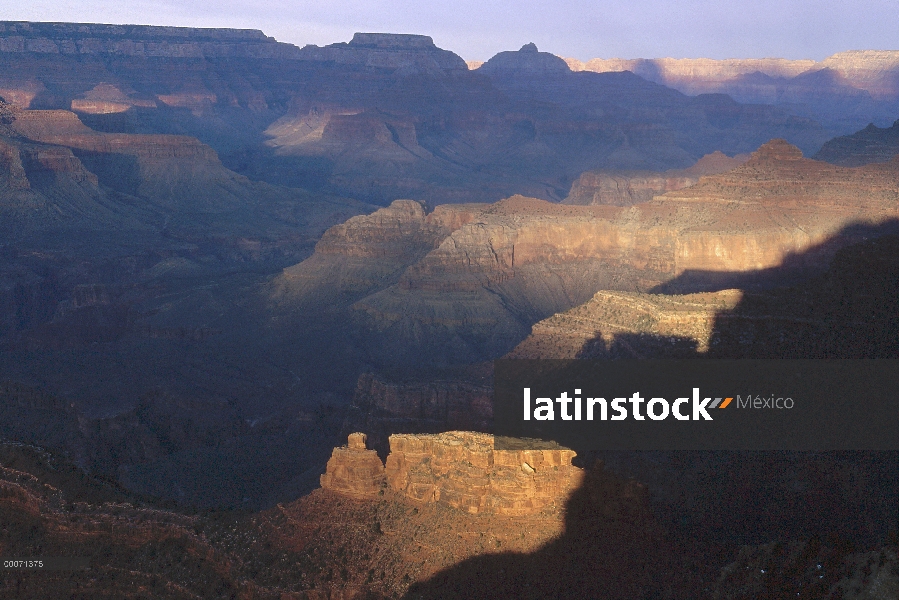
x,y
144,41
459,469
136,40
60,170
624,188
475,294
845,312
355,471
369,252
629,325
871,70
381,117
870,145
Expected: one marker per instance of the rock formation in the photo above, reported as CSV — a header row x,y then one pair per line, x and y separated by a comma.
x,y
60,169
848,311
844,91
527,62
474,295
459,469
624,188
327,545
355,471
365,118
630,325
137,40
870,145
369,252
144,41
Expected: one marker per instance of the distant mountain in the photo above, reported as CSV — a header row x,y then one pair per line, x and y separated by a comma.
x,y
871,144
381,117
844,92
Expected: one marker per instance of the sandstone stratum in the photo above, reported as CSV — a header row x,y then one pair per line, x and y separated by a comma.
x,y
476,293
611,325
623,188
460,469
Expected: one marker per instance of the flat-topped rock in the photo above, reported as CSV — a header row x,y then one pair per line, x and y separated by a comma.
x,y
461,469
624,188
629,325
140,40
392,40
84,30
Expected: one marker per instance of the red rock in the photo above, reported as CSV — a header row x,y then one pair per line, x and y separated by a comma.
x,y
459,469
624,188
354,471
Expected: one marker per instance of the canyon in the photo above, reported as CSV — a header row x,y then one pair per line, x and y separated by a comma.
x,y
363,118
861,85
474,295
223,256
623,188
334,544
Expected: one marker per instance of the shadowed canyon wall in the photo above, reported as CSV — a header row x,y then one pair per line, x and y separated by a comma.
x,y
381,117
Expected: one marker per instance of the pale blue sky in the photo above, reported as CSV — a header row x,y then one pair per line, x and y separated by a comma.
x,y
478,29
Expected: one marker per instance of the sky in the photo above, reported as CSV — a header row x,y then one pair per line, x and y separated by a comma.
x,y
478,29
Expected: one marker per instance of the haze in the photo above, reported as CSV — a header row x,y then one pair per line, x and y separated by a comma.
x,y
477,30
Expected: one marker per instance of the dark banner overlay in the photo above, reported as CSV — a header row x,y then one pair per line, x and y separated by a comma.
x,y
699,404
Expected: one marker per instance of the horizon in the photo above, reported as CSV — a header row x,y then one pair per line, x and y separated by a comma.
x,y
577,29
468,60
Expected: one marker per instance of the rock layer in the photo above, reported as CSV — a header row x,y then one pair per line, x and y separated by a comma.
x,y
354,471
459,469
629,325
369,252
624,188
474,296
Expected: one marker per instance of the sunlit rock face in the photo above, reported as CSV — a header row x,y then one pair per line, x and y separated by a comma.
x,y
459,469
624,188
354,471
630,325
475,293
369,252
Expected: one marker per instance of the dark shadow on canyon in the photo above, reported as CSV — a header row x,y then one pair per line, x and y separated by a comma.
x,y
796,515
